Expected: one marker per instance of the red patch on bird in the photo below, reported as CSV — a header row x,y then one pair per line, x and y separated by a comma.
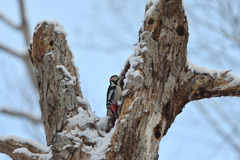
x,y
114,108
110,80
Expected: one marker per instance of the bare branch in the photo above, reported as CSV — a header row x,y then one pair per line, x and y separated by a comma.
x,y
11,51
24,26
22,148
8,21
26,32
213,83
29,116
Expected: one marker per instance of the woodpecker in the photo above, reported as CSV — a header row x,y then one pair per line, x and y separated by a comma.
x,y
114,93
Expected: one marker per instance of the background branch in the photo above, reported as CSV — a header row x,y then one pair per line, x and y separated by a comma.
x,y
29,116
24,26
8,21
11,51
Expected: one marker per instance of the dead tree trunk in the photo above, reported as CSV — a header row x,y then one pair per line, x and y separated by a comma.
x,y
158,82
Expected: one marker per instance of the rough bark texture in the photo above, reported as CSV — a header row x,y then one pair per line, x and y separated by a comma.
x,y
163,90
9,146
58,97
164,87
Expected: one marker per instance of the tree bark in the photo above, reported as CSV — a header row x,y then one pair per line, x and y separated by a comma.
x,y
158,82
58,87
162,84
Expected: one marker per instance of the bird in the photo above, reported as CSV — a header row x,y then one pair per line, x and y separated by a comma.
x,y
114,94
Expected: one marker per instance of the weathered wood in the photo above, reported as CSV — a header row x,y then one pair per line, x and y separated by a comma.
x,y
58,87
207,86
157,84
162,93
19,148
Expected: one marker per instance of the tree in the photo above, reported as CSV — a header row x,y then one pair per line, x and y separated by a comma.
x,y
159,81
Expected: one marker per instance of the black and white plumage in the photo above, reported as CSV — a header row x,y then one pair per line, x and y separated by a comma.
x,y
114,93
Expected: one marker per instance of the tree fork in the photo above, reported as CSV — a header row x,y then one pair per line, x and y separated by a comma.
x,y
158,82
165,35
165,84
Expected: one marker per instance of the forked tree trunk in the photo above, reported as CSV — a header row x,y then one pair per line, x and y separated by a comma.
x,y
158,82
162,85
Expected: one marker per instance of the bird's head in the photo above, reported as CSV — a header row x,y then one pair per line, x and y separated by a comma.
x,y
114,78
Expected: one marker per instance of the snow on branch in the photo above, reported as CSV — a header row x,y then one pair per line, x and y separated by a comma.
x,y
212,83
23,148
29,116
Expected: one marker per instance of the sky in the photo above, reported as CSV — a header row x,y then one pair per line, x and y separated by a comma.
x,y
102,36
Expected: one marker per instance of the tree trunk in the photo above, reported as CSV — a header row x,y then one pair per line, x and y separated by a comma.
x,y
158,82
161,83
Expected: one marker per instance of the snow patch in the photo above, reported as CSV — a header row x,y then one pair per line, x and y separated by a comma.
x,y
84,102
123,120
77,144
200,69
68,145
131,106
235,79
124,92
102,123
66,73
101,143
98,153
144,49
133,60
152,5
212,72
82,117
30,154
57,26
50,54
37,145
